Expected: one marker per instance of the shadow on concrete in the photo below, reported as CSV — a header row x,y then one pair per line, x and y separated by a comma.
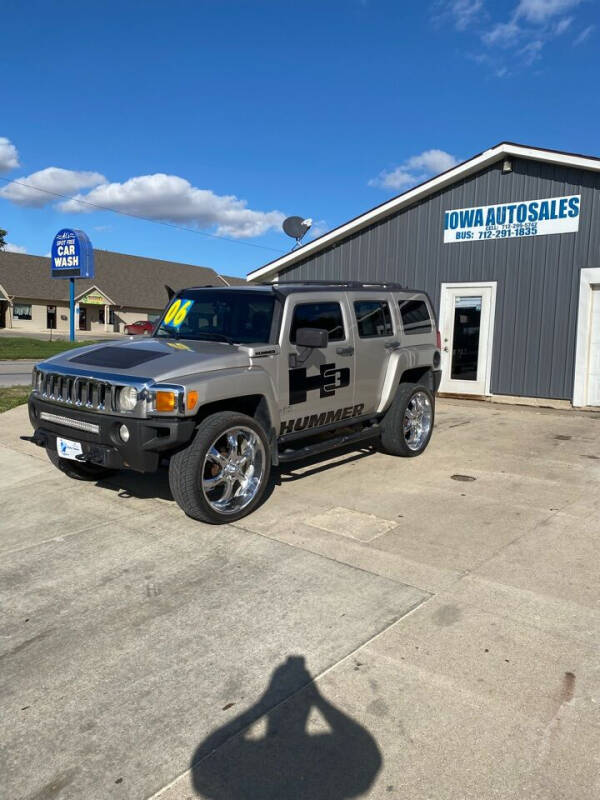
x,y
281,760
155,485
314,464
146,486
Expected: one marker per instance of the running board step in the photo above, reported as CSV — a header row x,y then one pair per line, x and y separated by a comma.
x,y
296,454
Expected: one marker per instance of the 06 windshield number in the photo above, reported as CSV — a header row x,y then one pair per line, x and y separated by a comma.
x,y
177,312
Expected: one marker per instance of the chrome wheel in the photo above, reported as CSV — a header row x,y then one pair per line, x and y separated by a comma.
x,y
233,470
417,421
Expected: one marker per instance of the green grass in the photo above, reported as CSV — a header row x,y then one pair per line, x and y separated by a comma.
x,y
11,396
22,347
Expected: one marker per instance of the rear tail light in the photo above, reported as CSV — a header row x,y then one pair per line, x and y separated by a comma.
x,y
439,340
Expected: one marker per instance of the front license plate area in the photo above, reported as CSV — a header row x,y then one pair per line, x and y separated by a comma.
x,y
68,449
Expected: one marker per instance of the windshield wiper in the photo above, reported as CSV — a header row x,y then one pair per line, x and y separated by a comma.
x,y
214,337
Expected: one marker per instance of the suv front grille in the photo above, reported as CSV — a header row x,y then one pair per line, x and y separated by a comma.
x,y
76,391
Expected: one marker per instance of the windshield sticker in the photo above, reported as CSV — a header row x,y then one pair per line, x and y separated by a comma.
x,y
177,312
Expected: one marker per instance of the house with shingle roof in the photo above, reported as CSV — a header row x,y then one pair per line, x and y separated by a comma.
x,y
125,289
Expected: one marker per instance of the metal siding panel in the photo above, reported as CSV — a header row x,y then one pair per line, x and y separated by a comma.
x,y
537,278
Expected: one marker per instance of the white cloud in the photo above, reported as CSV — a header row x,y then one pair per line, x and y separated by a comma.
x,y
432,161
519,34
173,199
562,25
414,170
503,33
50,182
585,34
540,11
9,157
395,179
531,52
462,12
14,248
318,228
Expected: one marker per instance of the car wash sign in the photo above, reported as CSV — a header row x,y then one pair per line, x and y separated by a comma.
x,y
513,220
72,255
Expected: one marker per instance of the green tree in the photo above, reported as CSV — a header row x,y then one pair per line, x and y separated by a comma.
x,y
2,239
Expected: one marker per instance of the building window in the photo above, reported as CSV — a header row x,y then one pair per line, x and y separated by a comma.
x,y
373,318
22,311
101,315
111,316
415,316
327,316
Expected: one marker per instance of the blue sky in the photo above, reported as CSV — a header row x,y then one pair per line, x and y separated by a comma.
x,y
222,117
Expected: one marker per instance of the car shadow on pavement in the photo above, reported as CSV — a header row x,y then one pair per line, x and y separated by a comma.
x,y
155,485
143,485
321,463
336,758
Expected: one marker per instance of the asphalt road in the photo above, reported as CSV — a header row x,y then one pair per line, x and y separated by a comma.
x,y
379,628
16,373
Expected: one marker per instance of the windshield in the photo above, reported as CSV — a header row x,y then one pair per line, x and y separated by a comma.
x,y
235,317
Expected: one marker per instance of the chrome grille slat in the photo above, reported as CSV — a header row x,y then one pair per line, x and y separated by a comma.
x,y
97,393
77,391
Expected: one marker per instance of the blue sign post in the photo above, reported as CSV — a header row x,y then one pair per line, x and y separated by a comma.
x,y
72,257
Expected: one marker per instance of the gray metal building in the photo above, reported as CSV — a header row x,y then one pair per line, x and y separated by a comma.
x,y
507,244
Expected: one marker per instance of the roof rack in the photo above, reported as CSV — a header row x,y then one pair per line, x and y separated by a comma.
x,y
346,284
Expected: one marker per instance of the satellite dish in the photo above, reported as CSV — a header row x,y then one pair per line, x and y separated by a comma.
x,y
296,228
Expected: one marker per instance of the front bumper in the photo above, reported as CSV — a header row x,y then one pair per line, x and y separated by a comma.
x,y
148,438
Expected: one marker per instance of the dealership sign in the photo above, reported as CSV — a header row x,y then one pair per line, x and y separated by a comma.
x,y
513,220
72,255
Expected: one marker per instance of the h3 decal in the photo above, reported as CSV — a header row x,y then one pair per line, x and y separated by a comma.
x,y
327,382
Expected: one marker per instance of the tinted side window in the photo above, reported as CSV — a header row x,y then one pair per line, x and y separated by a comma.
x,y
415,316
373,318
327,316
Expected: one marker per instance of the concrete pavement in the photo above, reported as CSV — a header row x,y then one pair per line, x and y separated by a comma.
x,y
380,627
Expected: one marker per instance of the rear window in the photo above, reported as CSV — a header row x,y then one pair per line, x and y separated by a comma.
x,y
373,318
415,316
327,316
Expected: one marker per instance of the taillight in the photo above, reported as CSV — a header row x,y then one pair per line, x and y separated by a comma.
x,y
439,340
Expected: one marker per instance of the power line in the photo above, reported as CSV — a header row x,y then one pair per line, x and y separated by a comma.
x,y
139,216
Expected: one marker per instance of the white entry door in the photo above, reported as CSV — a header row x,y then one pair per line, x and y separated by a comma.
x,y
467,325
593,375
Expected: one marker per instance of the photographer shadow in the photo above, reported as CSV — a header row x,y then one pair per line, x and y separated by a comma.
x,y
336,759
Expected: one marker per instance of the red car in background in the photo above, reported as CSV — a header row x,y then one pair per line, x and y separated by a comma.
x,y
143,326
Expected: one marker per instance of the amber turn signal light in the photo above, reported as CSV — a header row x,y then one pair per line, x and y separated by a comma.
x,y
191,400
165,401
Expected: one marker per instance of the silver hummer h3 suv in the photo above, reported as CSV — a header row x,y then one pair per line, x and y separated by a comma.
x,y
235,380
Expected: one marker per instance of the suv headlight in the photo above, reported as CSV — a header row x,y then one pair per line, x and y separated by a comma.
x,y
128,398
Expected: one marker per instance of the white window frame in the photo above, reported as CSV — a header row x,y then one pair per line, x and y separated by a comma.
x,y
490,345
589,277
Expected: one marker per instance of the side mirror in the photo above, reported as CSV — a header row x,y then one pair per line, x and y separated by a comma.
x,y
312,337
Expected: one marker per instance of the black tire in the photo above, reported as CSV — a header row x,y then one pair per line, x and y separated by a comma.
x,y
393,437
186,468
79,470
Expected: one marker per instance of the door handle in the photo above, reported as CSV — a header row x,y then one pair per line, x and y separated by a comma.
x,y
392,345
344,351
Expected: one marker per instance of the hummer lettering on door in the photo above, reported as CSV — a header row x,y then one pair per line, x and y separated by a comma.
x,y
318,420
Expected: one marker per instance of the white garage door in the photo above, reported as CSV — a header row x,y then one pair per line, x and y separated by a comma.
x,y
593,381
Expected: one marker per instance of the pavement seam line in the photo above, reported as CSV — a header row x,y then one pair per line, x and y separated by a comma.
x,y
344,563
314,680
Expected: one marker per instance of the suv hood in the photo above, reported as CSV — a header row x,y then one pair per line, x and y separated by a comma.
x,y
154,359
